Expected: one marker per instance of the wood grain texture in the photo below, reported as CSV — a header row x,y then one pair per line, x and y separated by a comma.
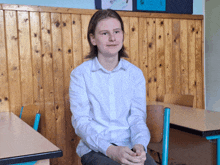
x,y
48,82
152,71
160,59
4,94
37,70
25,57
134,41
143,60
168,44
176,57
13,61
198,64
58,85
85,44
77,39
191,55
184,69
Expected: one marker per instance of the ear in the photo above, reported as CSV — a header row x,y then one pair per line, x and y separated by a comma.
x,y
92,39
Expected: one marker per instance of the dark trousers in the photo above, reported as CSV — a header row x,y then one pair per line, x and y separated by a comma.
x,y
97,158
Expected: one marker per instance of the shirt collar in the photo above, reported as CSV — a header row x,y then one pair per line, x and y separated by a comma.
x,y
97,66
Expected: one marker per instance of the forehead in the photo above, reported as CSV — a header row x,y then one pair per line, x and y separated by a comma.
x,y
108,24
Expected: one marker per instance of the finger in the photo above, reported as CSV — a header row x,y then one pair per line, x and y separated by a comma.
x,y
130,152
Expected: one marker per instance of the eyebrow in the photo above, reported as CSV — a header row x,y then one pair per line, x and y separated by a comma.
x,y
107,30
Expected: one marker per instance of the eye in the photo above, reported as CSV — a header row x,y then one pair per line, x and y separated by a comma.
x,y
117,32
104,33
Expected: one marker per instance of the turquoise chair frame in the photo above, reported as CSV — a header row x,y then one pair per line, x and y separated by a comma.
x,y
36,124
166,130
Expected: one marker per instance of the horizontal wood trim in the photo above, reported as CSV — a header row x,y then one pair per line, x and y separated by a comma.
x,y
91,12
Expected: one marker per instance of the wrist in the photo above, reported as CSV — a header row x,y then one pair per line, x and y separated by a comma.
x,y
110,150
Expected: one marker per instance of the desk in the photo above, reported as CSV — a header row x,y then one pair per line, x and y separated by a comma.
x,y
21,143
193,120
196,121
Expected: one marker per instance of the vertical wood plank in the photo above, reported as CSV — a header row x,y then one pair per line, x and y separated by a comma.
x,y
58,85
37,70
77,40
151,22
199,75
184,58
160,63
68,67
25,58
126,22
203,63
77,60
191,56
143,51
4,94
49,112
13,62
176,56
168,44
85,44
134,41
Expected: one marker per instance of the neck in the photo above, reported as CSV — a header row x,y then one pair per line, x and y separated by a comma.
x,y
109,63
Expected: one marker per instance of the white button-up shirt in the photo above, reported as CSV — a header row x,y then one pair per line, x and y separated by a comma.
x,y
108,106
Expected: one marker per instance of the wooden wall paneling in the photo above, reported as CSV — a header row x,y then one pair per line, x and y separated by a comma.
x,y
13,61
25,57
68,67
85,44
4,94
168,44
191,56
134,41
48,84
38,95
77,60
176,56
143,63
126,22
184,70
58,85
160,59
203,63
77,40
198,65
152,79
91,12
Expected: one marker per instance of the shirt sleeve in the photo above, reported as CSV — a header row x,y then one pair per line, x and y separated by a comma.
x,y
85,127
140,133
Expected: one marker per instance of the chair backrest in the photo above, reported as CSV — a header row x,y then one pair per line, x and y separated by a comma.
x,y
155,117
28,114
178,99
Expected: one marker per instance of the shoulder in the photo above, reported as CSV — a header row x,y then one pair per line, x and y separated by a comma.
x,y
132,69
83,68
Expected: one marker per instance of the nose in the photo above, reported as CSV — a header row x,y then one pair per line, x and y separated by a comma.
x,y
112,37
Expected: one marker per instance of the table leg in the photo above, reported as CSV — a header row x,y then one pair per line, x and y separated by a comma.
x,y
217,137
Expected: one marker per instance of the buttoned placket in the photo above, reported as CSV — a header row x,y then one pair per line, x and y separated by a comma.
x,y
111,97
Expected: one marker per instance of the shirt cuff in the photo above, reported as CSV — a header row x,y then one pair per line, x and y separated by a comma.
x,y
103,146
141,141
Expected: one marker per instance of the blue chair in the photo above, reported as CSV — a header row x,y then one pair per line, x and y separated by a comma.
x,y
26,114
158,122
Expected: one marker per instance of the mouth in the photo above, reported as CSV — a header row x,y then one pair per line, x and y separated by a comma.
x,y
112,45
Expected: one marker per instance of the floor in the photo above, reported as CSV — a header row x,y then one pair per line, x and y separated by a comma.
x,y
186,149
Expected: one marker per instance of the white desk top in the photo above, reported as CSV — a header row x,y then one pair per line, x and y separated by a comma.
x,y
18,139
193,118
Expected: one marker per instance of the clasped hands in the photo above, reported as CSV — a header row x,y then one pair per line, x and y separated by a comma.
x,y
125,156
